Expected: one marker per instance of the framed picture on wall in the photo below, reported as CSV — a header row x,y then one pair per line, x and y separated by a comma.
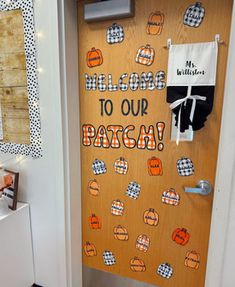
x,y
9,187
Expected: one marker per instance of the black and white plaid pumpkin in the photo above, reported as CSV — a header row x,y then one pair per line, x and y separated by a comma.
x,y
109,258
99,167
115,34
133,190
165,270
185,167
194,15
121,166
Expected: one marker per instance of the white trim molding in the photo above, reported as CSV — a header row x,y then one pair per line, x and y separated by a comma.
x,y
225,178
71,138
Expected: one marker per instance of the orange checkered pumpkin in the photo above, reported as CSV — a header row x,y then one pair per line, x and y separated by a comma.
x,y
155,23
93,187
120,233
155,166
117,208
94,58
137,265
151,217
145,55
121,166
192,259
181,236
94,222
142,243
90,249
171,197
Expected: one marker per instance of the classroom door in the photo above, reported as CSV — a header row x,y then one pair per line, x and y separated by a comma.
x,y
138,221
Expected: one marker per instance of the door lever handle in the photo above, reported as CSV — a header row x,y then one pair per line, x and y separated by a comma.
x,y
203,187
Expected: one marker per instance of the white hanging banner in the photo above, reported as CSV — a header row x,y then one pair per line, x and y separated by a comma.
x,y
192,64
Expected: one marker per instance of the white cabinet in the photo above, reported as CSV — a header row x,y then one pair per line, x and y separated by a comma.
x,y
16,256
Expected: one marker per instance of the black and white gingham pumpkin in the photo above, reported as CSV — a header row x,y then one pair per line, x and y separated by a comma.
x,y
117,208
115,34
165,270
133,190
194,15
185,167
99,167
109,258
121,166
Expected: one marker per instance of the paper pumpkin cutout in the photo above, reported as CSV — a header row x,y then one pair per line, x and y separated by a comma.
x,y
181,236
145,55
93,187
137,265
117,208
155,166
99,167
90,249
151,217
133,190
165,270
94,58
94,222
115,34
120,233
185,167
171,197
109,258
142,243
155,23
194,15
121,166
192,260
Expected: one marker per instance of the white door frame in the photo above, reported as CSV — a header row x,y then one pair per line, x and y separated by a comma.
x,y
224,185
224,178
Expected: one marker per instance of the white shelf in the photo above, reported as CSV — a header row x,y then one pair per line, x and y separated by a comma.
x,y
16,255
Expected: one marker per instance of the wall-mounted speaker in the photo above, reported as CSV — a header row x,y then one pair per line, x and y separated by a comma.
x,y
107,10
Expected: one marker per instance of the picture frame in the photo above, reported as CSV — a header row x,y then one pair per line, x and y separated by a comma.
x,y
10,183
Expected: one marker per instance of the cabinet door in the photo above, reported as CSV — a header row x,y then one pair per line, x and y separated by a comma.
x,y
133,199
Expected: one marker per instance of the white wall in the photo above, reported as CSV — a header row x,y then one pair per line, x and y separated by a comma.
x,y
41,180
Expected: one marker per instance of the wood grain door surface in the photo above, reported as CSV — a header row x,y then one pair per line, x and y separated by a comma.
x,y
194,211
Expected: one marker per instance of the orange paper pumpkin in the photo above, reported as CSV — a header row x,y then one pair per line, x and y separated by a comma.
x,y
120,233
90,249
151,217
93,187
94,58
181,236
117,208
94,222
171,197
192,259
155,23
155,166
121,166
145,55
143,242
137,265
